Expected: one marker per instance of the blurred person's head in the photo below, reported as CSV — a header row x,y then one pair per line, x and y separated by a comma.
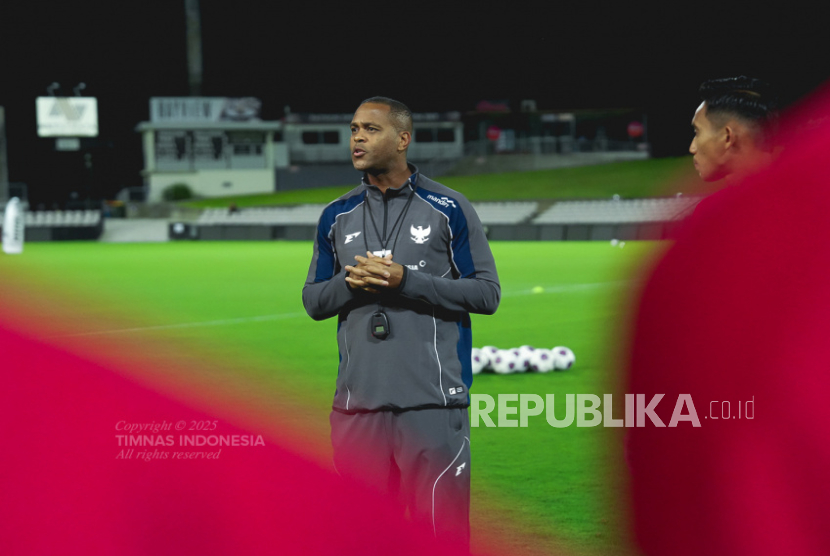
x,y
733,126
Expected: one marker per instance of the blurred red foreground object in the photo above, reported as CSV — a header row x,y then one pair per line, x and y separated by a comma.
x,y
65,490
737,311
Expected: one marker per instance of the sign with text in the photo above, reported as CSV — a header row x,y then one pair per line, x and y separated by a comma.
x,y
203,109
67,116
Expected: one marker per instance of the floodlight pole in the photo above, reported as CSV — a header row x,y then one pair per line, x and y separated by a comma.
x,y
4,167
194,46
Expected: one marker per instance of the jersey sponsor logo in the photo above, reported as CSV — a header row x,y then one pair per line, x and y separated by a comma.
x,y
456,390
419,234
412,266
382,253
443,201
460,468
350,237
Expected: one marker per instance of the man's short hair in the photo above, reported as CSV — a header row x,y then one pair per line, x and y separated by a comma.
x,y
399,113
745,98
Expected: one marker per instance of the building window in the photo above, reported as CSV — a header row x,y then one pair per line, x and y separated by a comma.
x,y
433,135
331,137
446,135
246,142
423,136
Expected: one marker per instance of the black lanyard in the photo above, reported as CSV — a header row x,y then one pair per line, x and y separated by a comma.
x,y
379,326
385,241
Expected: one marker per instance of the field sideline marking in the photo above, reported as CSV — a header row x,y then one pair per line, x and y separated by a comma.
x,y
569,288
550,289
241,320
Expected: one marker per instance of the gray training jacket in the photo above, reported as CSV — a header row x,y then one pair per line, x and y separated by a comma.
x,y
449,272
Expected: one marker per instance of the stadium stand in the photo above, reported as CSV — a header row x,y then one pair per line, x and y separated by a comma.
x,y
506,213
489,213
618,211
299,222
39,219
622,219
627,219
56,225
301,214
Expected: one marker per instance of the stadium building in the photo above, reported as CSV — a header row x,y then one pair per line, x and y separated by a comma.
x,y
219,147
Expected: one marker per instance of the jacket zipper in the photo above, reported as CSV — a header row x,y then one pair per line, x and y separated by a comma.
x,y
383,239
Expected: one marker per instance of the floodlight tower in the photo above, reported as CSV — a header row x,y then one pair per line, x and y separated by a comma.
x,y
194,46
4,168
70,120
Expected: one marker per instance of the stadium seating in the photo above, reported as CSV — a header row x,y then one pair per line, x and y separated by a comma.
x,y
67,225
62,218
618,211
506,213
623,219
301,214
489,213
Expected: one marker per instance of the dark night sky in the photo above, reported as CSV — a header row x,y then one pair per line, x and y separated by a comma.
x,y
315,59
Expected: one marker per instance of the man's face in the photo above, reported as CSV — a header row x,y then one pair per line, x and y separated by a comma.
x,y
374,140
708,147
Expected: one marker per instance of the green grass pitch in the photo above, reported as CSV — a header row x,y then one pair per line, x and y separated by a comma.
x,y
241,302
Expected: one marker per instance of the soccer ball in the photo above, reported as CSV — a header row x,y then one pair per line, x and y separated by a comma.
x,y
542,361
504,362
490,351
523,355
563,358
480,360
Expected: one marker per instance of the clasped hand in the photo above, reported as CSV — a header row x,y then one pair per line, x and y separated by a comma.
x,y
373,273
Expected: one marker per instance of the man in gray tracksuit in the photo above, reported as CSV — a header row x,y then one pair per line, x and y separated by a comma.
x,y
402,261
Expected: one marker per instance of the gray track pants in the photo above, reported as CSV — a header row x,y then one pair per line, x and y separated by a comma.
x,y
420,456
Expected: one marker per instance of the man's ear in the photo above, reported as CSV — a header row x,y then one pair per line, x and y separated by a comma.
x,y
404,139
730,136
